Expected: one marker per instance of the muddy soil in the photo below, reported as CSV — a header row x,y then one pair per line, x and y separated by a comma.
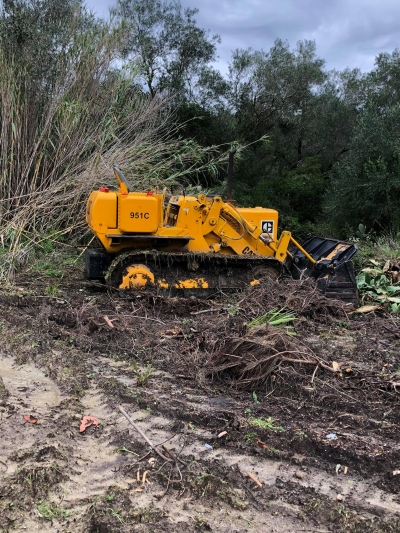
x,y
256,428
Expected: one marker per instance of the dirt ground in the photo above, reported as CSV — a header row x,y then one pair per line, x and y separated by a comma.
x,y
256,429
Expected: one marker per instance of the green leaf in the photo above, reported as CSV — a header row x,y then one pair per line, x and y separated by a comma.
x,y
381,290
383,280
392,289
275,317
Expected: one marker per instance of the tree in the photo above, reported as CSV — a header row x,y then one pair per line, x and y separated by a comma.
x,y
169,49
34,33
366,182
308,115
54,61
273,93
271,89
383,82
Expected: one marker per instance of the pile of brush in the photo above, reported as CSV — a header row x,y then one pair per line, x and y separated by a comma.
x,y
254,360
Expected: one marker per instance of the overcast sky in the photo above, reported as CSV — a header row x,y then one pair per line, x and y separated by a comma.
x,y
348,33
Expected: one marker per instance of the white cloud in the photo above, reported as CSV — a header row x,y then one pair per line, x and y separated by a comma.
x,y
348,33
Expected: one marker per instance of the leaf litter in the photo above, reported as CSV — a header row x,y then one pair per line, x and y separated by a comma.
x,y
31,419
86,422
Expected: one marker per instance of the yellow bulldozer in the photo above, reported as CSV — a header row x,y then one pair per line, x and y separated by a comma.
x,y
202,244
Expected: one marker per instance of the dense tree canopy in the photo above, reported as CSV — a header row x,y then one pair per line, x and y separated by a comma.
x,y
366,180
165,43
37,33
322,146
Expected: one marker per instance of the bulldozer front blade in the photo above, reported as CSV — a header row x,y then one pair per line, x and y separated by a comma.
x,y
333,269
339,282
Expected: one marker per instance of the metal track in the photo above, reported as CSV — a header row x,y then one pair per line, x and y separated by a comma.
x,y
221,272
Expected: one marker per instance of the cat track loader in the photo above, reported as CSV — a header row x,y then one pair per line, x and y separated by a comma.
x,y
202,244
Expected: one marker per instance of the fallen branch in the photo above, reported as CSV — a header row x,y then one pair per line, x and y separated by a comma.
x,y
129,419
144,457
172,455
207,311
108,321
145,318
306,362
255,479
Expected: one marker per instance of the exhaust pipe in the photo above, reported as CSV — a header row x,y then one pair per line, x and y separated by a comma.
x,y
229,198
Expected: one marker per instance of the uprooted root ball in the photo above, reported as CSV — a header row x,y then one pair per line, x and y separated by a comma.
x,y
252,361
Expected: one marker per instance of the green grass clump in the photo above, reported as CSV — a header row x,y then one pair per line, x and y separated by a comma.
x,y
50,512
275,317
265,424
142,376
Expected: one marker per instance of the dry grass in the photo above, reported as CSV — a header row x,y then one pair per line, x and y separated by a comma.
x,y
59,142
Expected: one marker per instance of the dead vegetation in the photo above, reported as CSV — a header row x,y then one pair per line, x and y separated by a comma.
x,y
61,134
191,373
252,362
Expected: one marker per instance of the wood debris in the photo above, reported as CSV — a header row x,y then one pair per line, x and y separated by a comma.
x,y
255,479
108,321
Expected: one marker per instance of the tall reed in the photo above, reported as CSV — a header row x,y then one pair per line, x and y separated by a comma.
x,y
58,140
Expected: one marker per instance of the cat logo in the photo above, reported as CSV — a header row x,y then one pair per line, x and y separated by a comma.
x,y
267,226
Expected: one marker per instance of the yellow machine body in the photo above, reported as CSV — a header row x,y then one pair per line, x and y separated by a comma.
x,y
195,224
200,243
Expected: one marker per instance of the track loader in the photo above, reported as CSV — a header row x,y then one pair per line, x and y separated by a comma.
x,y
202,244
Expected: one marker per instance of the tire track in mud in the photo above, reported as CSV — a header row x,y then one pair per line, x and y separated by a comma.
x,y
94,468
27,391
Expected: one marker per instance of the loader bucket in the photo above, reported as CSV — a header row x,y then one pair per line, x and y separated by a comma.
x,y
333,270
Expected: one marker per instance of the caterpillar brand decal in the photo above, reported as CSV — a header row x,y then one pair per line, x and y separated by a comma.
x,y
267,226
247,251
139,215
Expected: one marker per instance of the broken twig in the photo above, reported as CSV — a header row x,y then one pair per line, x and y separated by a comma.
x,y
207,311
108,321
174,457
255,479
129,419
